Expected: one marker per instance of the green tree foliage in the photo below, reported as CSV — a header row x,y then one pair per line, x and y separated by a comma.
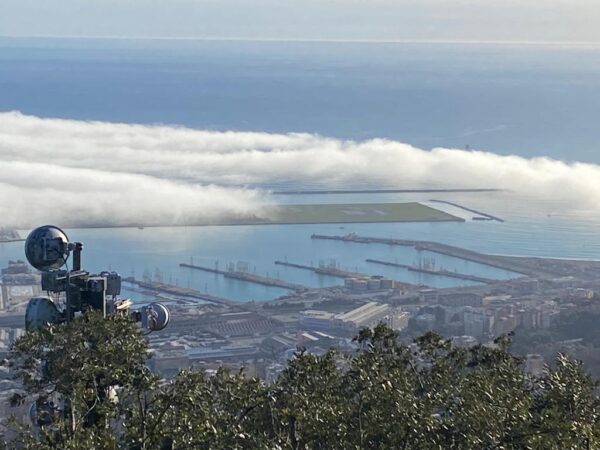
x,y
83,367
429,395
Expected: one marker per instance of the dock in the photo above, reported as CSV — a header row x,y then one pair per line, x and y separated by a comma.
x,y
482,215
184,292
330,271
498,262
439,272
249,277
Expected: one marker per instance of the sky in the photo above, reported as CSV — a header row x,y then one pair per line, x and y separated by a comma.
x,y
429,20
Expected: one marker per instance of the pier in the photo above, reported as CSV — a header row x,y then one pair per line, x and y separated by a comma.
x,y
249,277
440,272
331,271
498,262
484,216
184,292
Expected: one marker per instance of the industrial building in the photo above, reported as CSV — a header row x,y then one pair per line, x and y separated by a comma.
x,y
367,315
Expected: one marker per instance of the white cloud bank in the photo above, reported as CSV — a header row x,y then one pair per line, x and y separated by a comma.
x,y
85,173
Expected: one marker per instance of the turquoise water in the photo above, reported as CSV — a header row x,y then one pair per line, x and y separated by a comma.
x,y
133,250
528,101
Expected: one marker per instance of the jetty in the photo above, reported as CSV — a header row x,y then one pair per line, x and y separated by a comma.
x,y
481,215
440,272
249,277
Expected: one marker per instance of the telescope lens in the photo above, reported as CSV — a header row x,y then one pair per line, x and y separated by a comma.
x,y
47,248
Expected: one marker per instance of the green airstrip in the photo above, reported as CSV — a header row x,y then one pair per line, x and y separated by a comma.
x,y
348,213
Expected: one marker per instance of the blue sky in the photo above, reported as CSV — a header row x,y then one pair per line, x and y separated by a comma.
x,y
438,20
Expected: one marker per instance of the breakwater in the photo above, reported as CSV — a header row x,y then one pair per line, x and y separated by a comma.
x,y
483,216
498,262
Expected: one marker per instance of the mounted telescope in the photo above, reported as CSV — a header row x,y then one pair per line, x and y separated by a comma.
x,y
48,248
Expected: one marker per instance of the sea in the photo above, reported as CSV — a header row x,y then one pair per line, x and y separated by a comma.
x,y
528,100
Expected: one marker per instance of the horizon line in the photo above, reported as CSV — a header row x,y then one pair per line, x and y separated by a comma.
x,y
539,43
